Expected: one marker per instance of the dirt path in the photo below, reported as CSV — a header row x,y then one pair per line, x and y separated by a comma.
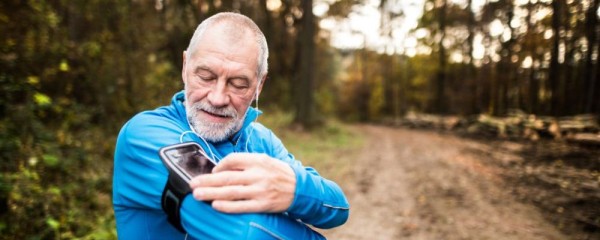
x,y
409,184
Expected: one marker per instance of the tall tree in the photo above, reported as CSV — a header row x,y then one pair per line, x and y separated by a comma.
x,y
305,115
591,81
440,87
391,16
529,44
505,80
470,67
554,71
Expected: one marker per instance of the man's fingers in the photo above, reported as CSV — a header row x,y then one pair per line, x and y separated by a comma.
x,y
242,206
221,179
236,161
244,182
225,193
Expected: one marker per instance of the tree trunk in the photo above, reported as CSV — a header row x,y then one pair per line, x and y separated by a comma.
x,y
304,104
531,99
440,106
474,85
590,75
554,71
486,75
570,77
504,79
267,23
509,99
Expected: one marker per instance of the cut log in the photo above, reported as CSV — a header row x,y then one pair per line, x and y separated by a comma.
x,y
585,138
516,124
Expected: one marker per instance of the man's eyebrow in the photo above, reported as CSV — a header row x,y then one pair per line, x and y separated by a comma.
x,y
208,69
243,77
202,68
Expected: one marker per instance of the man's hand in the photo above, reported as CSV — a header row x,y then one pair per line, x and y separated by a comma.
x,y
247,182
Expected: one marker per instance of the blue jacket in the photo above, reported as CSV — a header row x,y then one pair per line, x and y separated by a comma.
x,y
140,176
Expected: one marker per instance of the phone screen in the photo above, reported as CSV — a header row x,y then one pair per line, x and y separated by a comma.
x,y
190,160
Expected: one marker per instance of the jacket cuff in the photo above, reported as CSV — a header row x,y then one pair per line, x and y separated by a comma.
x,y
318,201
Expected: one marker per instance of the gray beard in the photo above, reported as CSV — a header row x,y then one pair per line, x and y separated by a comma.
x,y
209,131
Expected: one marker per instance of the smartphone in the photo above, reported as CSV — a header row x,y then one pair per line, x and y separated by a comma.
x,y
186,160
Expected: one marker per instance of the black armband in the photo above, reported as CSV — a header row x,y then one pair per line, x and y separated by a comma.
x,y
184,161
172,198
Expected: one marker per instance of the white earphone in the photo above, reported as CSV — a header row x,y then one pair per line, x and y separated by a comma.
x,y
256,95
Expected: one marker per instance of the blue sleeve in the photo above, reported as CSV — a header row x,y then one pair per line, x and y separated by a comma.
x,y
201,221
139,179
317,201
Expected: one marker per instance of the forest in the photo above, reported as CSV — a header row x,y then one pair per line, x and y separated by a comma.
x,y
72,72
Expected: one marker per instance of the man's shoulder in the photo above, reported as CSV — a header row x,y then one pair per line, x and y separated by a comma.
x,y
260,127
260,130
145,133
266,137
157,121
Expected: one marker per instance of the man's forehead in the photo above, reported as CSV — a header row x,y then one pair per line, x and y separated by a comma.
x,y
230,33
215,47
217,62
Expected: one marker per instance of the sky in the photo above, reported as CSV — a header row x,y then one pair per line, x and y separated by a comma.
x,y
362,27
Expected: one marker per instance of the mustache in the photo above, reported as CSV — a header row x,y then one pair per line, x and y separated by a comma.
x,y
226,111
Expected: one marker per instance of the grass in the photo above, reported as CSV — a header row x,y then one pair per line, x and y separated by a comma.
x,y
324,148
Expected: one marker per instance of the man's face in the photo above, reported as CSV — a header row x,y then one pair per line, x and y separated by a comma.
x,y
220,83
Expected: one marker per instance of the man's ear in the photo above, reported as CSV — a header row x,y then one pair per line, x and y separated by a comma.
x,y
183,67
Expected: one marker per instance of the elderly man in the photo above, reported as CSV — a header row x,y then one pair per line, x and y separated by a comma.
x,y
257,190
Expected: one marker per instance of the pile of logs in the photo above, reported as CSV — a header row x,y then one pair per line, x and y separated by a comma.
x,y
516,124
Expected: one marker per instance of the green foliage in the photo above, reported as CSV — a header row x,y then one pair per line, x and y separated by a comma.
x,y
376,99
326,96
63,99
51,187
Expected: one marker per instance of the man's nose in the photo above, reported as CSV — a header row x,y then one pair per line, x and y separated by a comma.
x,y
218,96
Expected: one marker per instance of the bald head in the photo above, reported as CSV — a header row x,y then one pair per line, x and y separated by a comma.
x,y
234,27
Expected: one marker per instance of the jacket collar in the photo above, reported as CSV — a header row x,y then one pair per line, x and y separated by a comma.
x,y
178,102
